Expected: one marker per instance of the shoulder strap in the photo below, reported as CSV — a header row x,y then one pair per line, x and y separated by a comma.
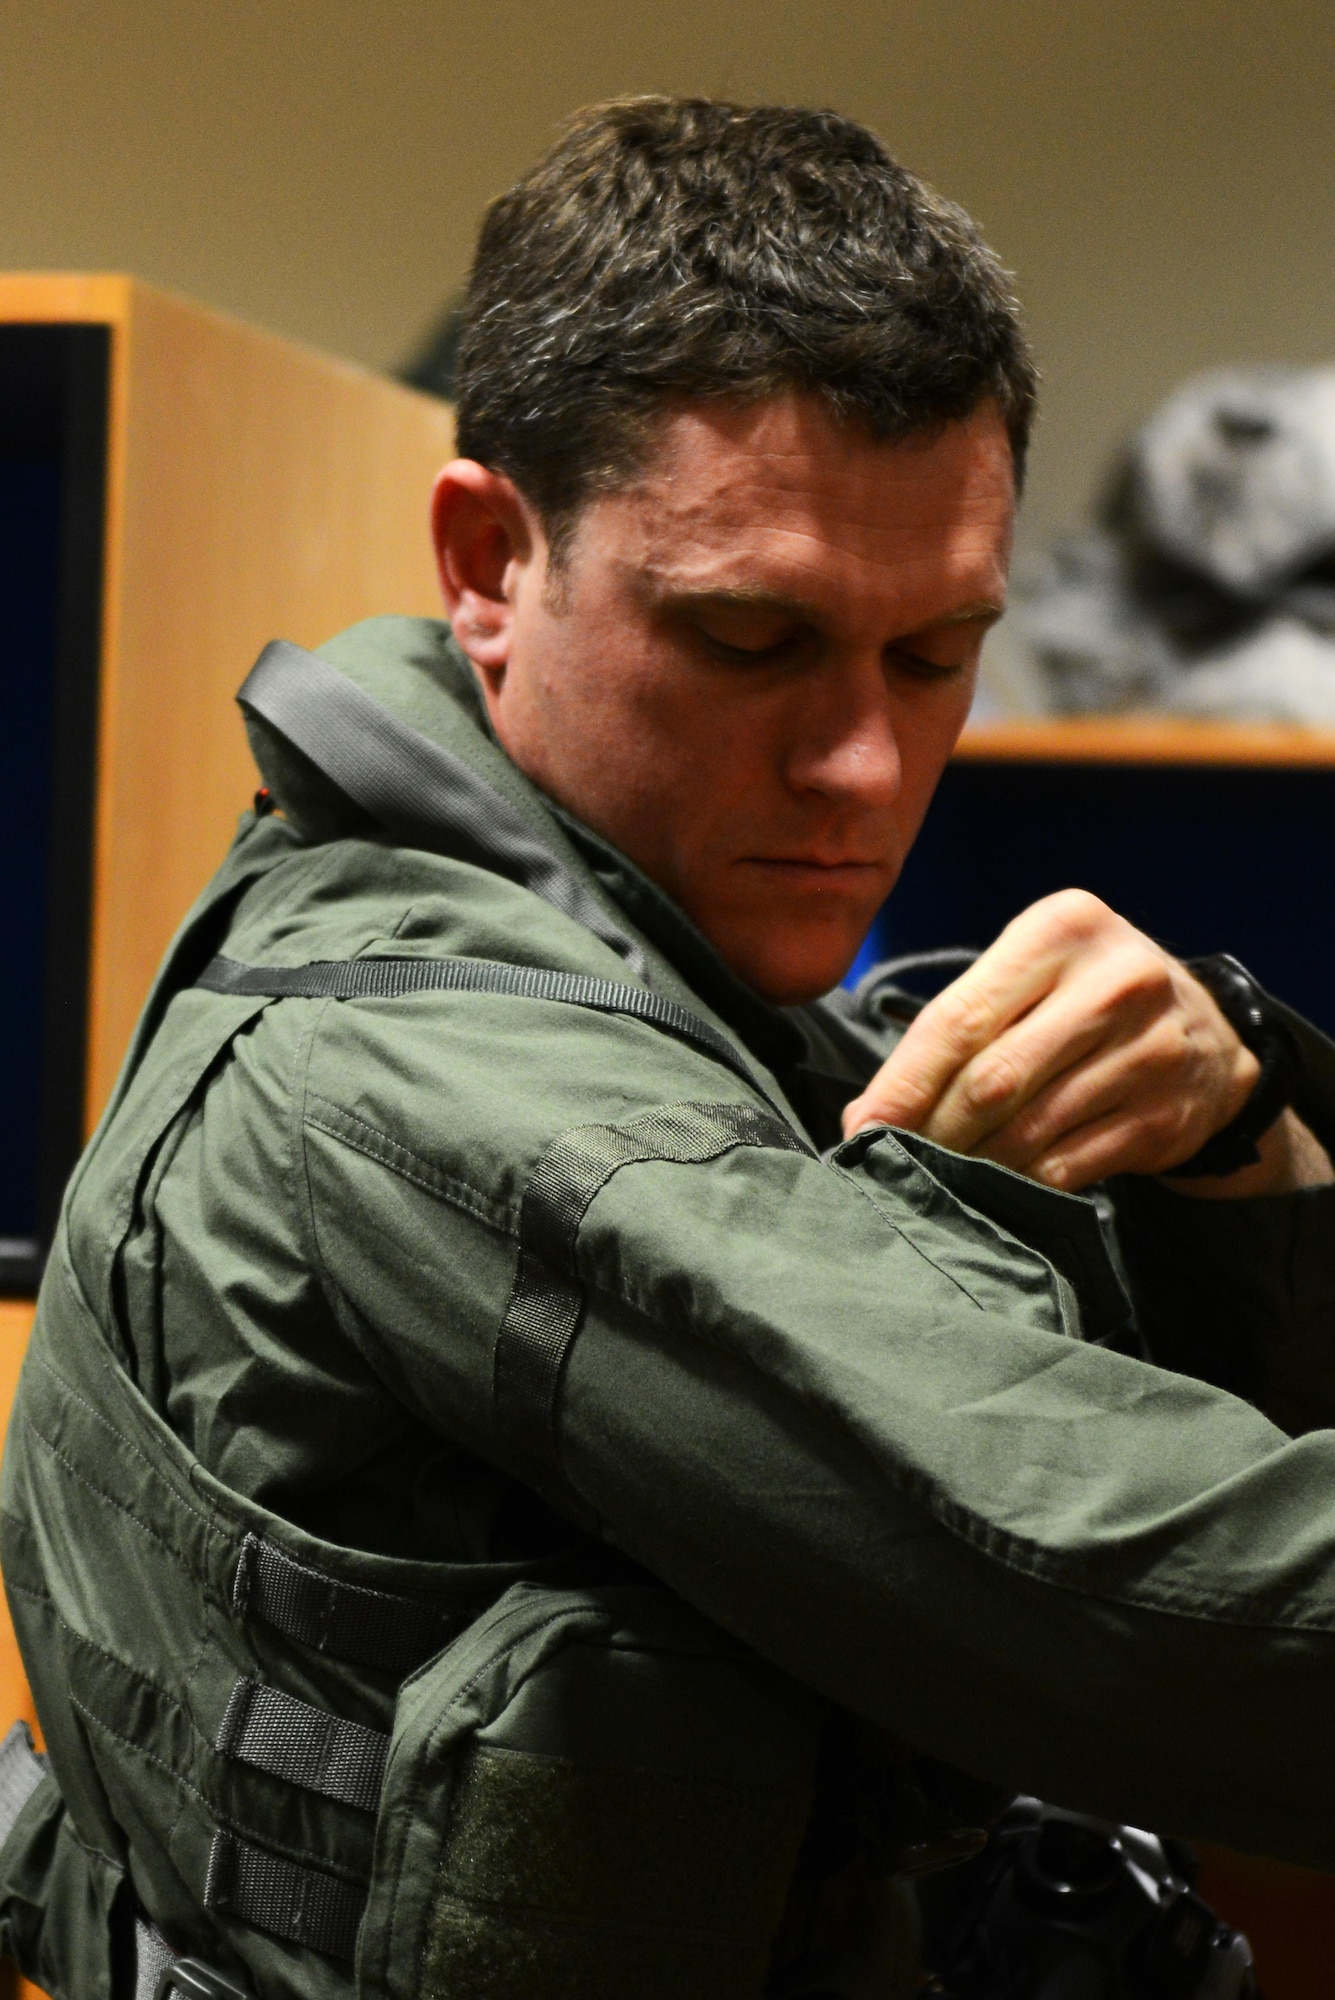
x,y
416,789
388,978
262,844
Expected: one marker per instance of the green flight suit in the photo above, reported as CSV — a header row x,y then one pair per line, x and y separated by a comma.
x,y
863,1408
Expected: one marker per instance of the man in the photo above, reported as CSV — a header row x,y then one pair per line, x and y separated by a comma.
x,y
494,1498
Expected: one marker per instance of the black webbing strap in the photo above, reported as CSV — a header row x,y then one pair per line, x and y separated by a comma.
x,y
372,1628
389,978
547,1299
304,1905
307,1746
416,789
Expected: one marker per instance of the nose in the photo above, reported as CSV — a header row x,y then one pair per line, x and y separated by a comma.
x,y
844,745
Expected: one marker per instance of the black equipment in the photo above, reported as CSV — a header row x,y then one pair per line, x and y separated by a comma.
x,y
1063,1907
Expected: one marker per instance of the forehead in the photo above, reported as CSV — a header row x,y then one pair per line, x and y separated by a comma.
x,y
781,496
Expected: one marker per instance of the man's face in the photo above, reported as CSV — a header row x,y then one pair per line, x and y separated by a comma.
x,y
754,665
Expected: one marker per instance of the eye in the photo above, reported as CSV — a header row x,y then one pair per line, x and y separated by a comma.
x,y
937,656
744,631
922,669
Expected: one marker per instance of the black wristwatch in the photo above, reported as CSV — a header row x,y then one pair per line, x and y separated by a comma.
x,y
1261,1028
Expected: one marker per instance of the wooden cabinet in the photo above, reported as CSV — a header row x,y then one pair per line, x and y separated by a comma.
x,y
208,488
175,490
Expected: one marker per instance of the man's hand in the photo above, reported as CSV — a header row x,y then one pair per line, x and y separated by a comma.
x,y
1076,1048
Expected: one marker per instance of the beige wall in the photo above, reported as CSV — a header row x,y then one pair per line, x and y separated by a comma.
x,y
1161,173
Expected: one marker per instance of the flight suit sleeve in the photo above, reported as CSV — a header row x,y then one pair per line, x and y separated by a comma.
x,y
836,1407
1242,1293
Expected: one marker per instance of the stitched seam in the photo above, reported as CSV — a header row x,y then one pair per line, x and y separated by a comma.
x,y
389,1154
410,1810
38,1596
176,1702
141,1750
126,1188
178,1555
396,1147
128,1444
904,1237
144,1680
186,1707
293,1163
304,1191
105,1652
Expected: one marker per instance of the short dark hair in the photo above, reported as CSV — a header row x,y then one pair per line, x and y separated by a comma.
x,y
685,248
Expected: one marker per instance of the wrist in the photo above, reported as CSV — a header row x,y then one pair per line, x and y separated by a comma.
x,y
1261,1030
1289,1158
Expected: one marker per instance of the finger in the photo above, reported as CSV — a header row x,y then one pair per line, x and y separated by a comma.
x,y
1012,976
1064,1054
1073,1105
1116,1143
1075,1098
1152,1085
949,1032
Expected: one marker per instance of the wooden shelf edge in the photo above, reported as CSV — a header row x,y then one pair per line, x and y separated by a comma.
x,y
1144,740
109,297
101,297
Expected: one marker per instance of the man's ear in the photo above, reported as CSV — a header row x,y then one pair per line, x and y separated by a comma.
x,y
485,537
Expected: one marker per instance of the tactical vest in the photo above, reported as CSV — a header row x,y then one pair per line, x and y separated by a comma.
x,y
325,1771
330,1772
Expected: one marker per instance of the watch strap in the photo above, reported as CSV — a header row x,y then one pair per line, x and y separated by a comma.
x,y
1259,1027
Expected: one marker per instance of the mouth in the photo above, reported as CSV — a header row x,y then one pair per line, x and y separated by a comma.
x,y
818,871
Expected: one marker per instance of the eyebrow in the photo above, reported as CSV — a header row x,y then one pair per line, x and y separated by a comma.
x,y
983,610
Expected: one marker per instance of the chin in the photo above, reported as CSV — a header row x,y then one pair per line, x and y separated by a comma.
x,y
788,971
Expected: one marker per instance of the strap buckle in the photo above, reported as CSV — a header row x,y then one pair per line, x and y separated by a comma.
x,y
191,1979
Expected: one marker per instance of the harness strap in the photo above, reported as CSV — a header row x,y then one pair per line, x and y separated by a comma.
x,y
153,1957
304,1745
306,1906
546,1302
372,1628
389,978
412,786
22,1770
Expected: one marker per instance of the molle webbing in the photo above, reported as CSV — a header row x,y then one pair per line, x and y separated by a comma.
x,y
416,789
390,978
546,1301
304,1745
306,1906
371,1628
